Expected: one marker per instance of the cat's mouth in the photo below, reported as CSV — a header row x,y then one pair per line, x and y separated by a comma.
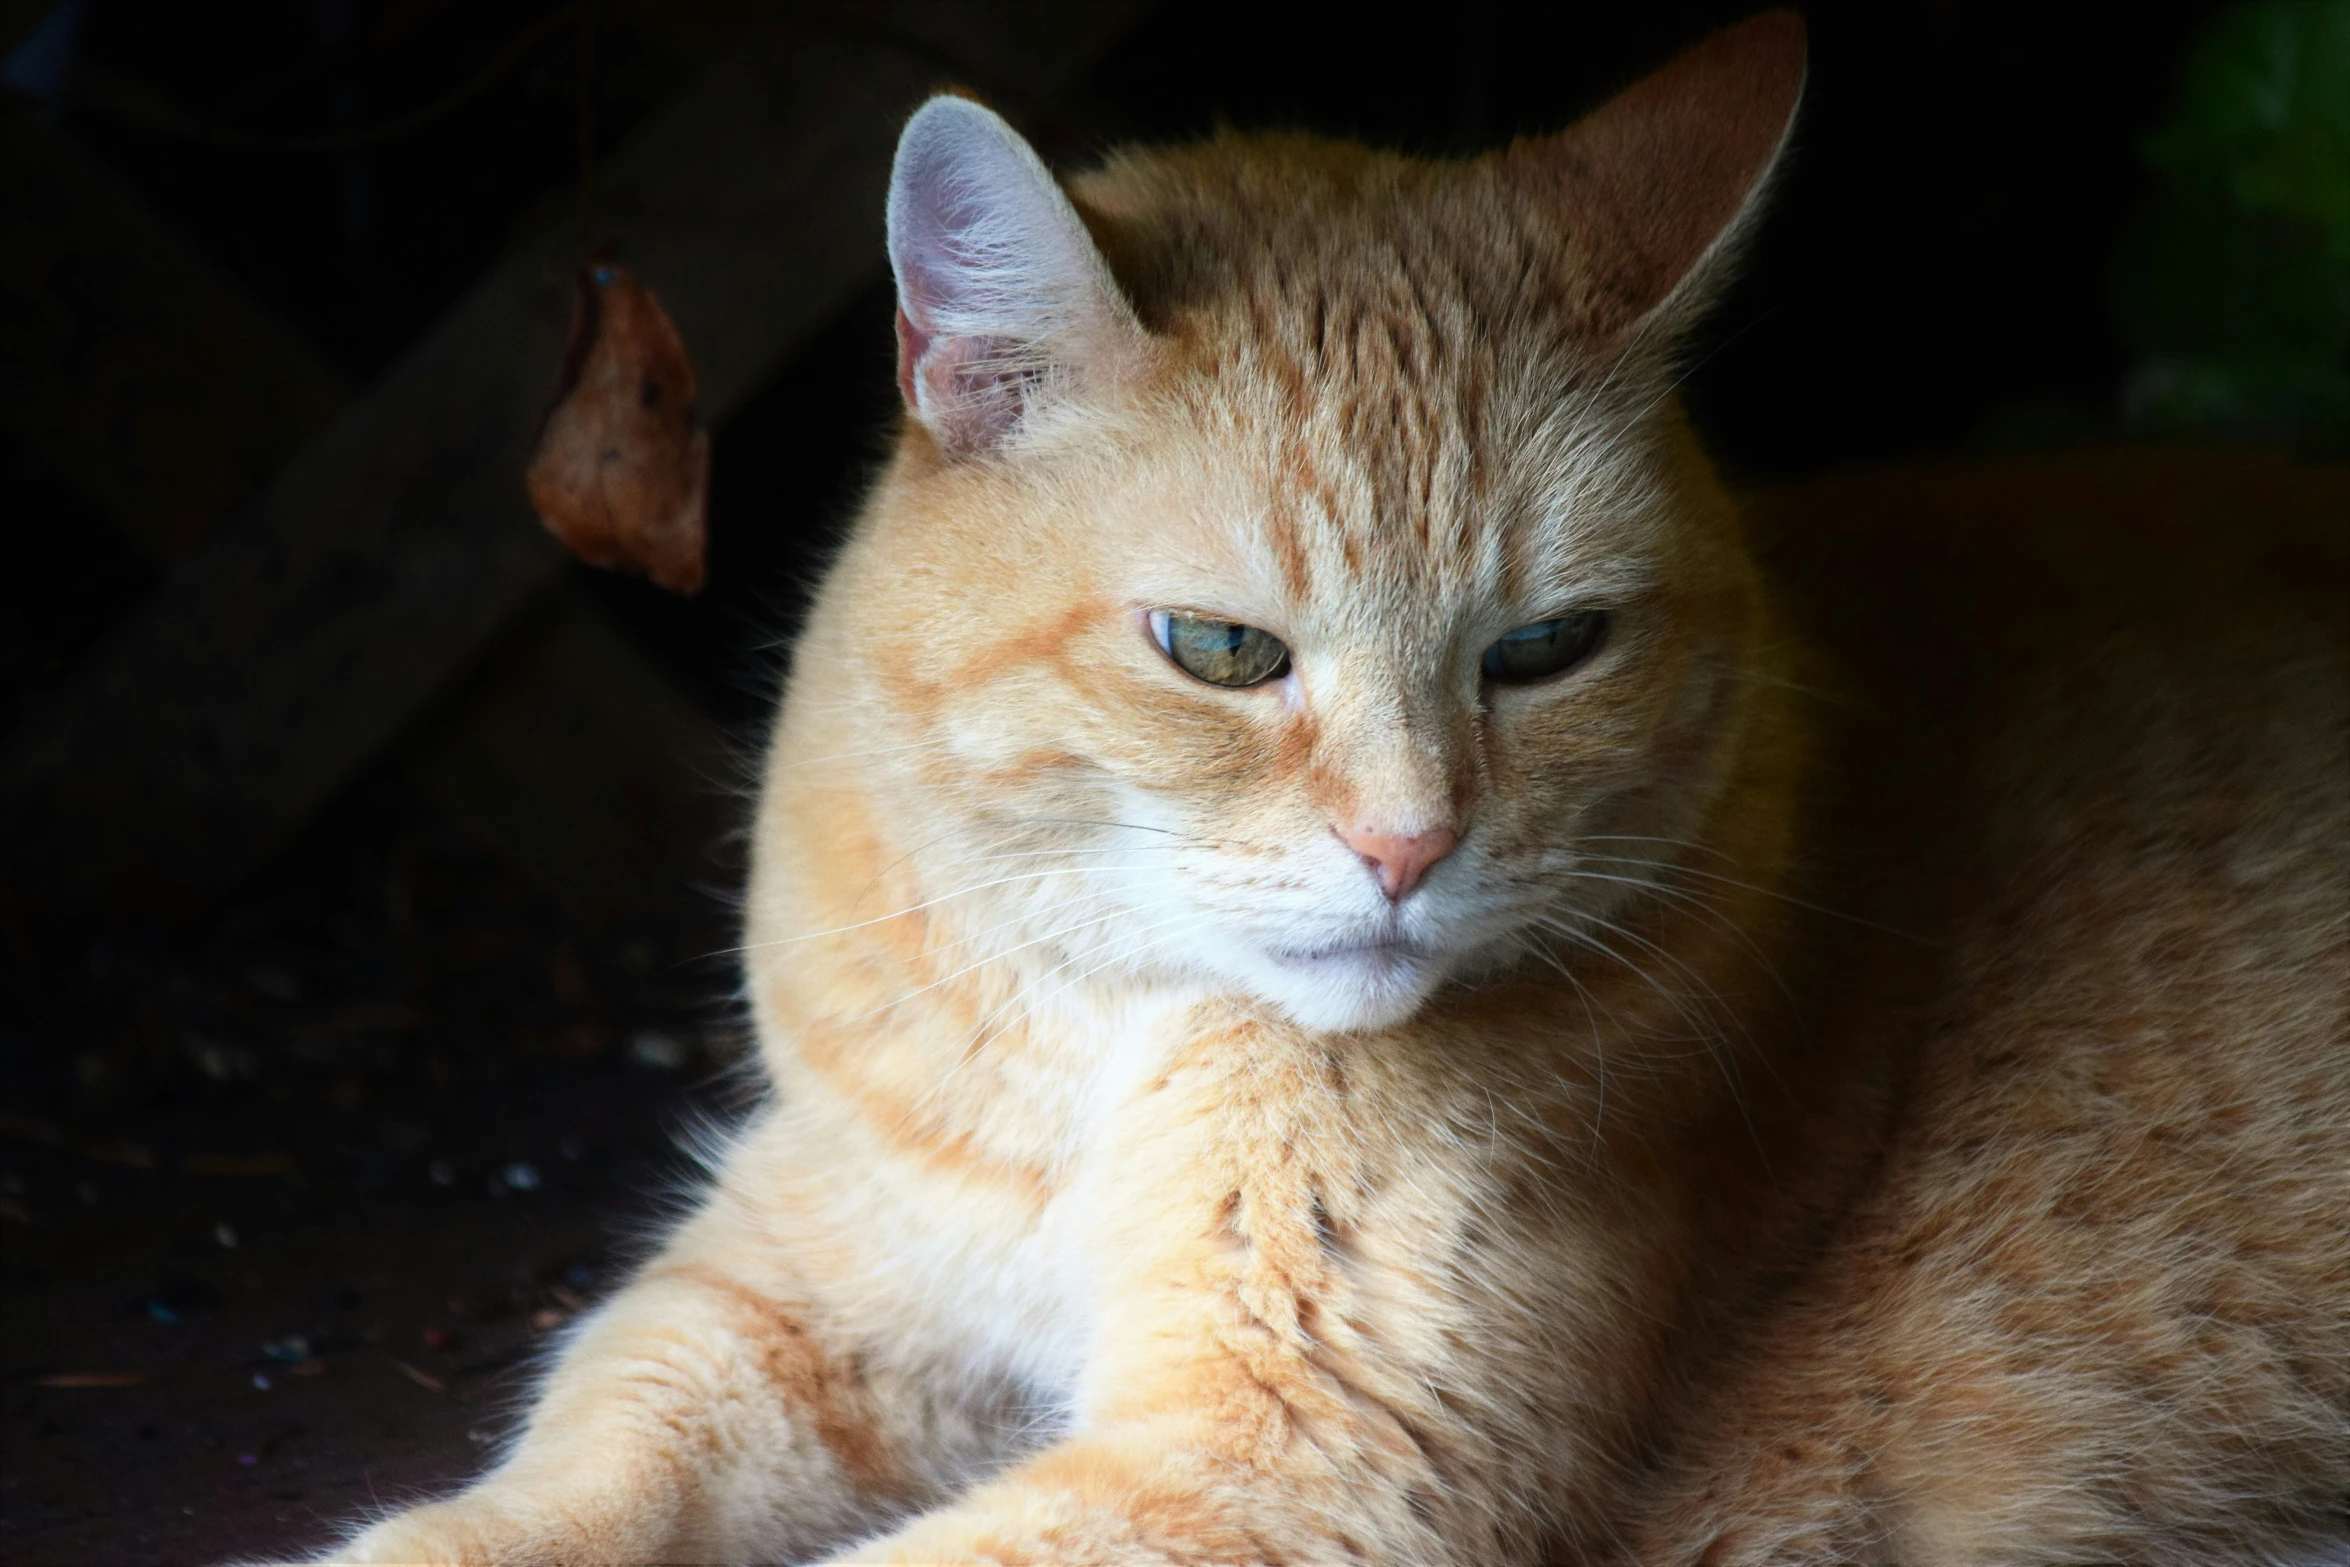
x,y
1363,983
1377,956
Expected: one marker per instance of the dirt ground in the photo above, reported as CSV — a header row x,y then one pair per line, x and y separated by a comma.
x,y
290,1206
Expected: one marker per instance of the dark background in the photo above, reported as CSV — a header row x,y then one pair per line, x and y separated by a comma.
x,y
294,1176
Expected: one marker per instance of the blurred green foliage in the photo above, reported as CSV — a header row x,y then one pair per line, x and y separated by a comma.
x,y
2233,290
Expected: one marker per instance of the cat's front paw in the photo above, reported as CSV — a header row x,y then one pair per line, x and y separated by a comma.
x,y
496,1527
469,1531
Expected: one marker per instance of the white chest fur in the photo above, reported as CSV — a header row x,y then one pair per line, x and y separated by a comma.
x,y
994,1283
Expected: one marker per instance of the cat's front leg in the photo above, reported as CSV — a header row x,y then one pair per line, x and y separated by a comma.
x,y
718,1409
1254,1393
1169,1494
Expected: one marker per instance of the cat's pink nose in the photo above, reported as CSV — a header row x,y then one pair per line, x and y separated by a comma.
x,y
1399,859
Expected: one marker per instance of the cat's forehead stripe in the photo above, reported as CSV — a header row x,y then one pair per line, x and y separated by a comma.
x,y
1382,350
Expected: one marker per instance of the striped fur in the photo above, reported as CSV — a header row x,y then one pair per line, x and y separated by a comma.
x,y
1116,1203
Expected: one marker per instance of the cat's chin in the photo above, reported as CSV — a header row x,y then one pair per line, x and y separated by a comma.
x,y
1348,989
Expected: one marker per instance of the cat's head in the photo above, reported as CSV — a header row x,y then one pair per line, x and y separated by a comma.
x,y
1295,572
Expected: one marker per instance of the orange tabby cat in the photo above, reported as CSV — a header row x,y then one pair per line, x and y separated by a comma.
x,y
1353,972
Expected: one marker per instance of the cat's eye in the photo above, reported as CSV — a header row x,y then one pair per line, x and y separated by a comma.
x,y
1546,648
1221,652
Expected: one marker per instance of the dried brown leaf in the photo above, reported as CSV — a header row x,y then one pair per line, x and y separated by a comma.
x,y
622,469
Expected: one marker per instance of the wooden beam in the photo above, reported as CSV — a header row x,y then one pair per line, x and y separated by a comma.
x,y
166,398
128,363
288,649
18,18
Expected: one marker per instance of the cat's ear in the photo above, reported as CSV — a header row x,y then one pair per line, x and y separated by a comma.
x,y
1002,296
1657,185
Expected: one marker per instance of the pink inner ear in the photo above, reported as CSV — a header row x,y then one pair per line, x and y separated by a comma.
x,y
964,387
913,343
973,388
1651,179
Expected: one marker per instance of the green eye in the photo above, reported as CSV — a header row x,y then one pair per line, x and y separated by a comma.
x,y
1546,648
1221,652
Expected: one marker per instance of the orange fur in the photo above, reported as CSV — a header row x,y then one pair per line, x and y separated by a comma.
x,y
1868,1086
